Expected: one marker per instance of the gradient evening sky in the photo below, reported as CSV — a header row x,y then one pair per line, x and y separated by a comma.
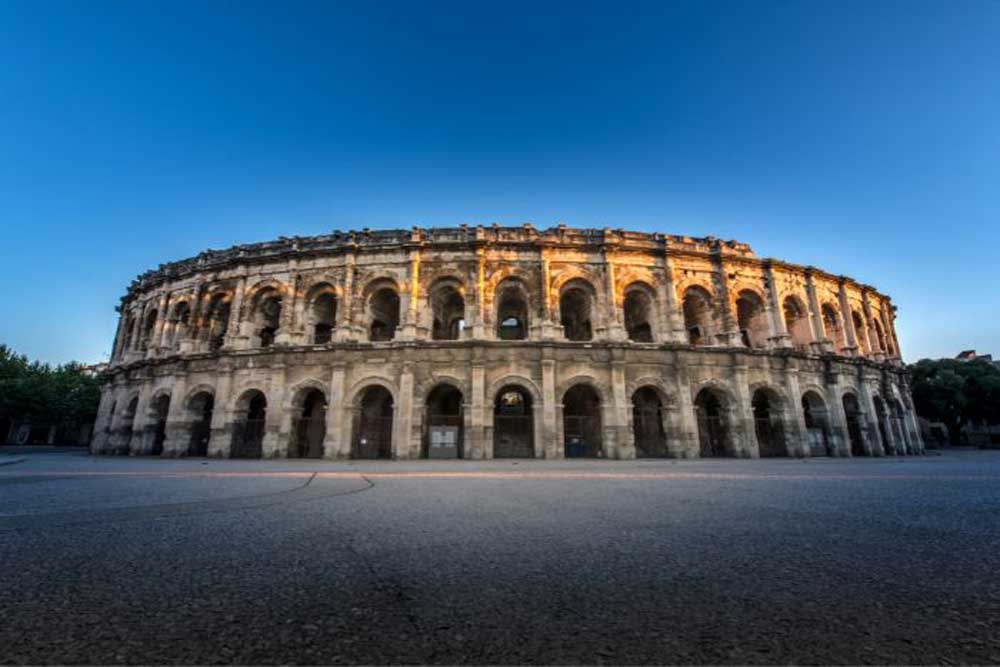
x,y
856,136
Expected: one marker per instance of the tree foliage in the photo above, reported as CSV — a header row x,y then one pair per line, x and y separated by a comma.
x,y
956,392
44,394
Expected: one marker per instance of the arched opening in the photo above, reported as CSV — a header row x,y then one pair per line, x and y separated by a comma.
x,y
147,328
159,410
180,322
817,424
323,315
832,327
797,323
880,337
513,424
883,427
267,316
443,427
373,424
582,422
647,424
575,312
248,429
512,312
713,424
128,421
698,317
852,413
129,335
638,311
383,309
447,312
217,319
751,318
859,332
309,426
768,425
200,408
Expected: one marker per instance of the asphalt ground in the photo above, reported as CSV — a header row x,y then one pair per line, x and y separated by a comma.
x,y
137,560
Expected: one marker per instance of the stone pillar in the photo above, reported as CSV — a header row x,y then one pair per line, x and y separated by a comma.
x,y
551,446
837,432
873,438
221,441
411,300
870,340
847,321
102,425
476,446
776,319
742,428
622,445
178,427
730,334
615,328
402,437
337,441
672,305
139,444
275,443
286,321
687,444
349,325
116,347
237,331
548,328
478,329
820,342
795,419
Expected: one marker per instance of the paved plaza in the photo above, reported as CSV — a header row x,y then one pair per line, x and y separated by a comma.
x,y
124,560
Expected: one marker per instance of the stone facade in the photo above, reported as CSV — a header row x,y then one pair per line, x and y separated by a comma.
x,y
499,341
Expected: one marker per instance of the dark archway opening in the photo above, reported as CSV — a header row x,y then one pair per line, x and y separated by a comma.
x,y
513,424
575,314
309,427
697,309
444,424
817,424
385,315
768,424
647,424
200,408
248,432
324,316
373,425
512,314
582,422
161,406
638,308
713,425
448,312
852,413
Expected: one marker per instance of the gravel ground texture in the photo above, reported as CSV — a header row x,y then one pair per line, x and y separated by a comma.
x,y
137,560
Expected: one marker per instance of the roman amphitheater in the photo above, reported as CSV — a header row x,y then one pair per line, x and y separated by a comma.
x,y
489,342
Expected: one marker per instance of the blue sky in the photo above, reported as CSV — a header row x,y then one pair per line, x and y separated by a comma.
x,y
860,137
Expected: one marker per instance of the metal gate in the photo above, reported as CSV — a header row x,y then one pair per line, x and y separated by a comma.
x,y
854,433
309,433
770,437
647,427
711,436
513,436
373,438
455,421
582,436
201,431
818,445
248,439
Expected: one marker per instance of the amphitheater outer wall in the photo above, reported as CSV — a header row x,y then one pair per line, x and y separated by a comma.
x,y
683,347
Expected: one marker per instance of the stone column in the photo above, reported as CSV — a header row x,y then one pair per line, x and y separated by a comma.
x,y
836,417
622,445
286,322
220,443
744,433
550,447
349,326
478,329
847,321
820,342
337,441
795,419
776,319
276,428
139,444
688,445
116,347
477,446
403,445
866,337
548,327
873,437
730,334
237,331
411,302
615,328
672,306
102,425
178,427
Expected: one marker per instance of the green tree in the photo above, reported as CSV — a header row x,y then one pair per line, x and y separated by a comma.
x,y
956,392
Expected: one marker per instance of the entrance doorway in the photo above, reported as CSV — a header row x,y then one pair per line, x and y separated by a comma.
x,y
582,422
444,429
647,424
309,427
513,424
373,430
